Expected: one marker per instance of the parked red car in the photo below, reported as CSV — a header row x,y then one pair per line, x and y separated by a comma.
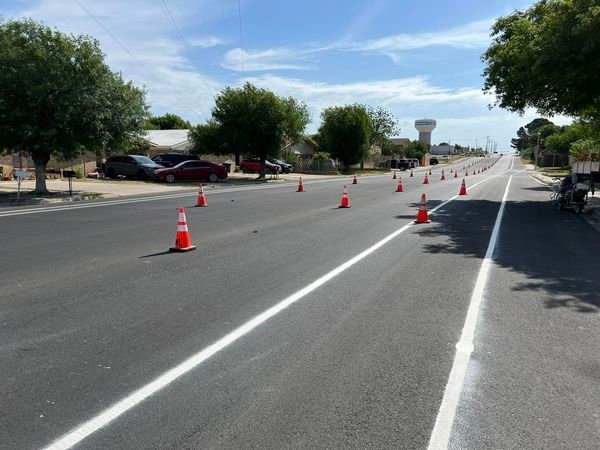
x,y
253,165
192,170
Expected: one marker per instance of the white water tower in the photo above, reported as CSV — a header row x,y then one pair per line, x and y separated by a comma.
x,y
425,127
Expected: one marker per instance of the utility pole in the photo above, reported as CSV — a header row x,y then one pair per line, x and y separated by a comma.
x,y
536,152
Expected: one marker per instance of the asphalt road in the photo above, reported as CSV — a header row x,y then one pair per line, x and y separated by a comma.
x,y
360,349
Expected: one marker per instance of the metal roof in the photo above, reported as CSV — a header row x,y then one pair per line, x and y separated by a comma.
x,y
167,138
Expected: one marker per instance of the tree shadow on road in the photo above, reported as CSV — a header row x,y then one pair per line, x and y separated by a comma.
x,y
557,250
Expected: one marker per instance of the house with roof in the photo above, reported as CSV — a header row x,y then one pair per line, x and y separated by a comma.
x,y
304,147
399,143
167,141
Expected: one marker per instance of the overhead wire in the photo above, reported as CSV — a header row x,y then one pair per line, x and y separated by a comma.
x,y
241,40
186,45
107,31
141,64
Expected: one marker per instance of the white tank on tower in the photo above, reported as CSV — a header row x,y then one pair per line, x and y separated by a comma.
x,y
425,127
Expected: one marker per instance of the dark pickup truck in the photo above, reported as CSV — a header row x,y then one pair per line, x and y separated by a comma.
x,y
401,164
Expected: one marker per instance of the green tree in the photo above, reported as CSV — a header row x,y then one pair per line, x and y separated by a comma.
x,y
383,126
252,121
567,135
547,57
527,136
297,117
58,97
521,142
586,150
345,133
167,122
415,149
208,138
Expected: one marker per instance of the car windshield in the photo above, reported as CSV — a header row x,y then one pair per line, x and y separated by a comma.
x,y
143,159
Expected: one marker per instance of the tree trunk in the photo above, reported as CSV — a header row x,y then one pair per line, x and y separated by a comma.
x,y
40,175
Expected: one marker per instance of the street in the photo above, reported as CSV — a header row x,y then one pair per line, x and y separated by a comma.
x,y
298,324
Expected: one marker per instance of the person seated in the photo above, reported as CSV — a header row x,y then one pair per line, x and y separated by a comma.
x,y
566,185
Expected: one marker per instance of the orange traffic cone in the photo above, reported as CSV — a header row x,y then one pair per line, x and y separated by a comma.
x,y
201,198
300,185
478,170
394,177
463,188
345,203
467,173
456,174
354,181
411,174
183,241
443,177
450,170
426,180
422,216
429,171
400,187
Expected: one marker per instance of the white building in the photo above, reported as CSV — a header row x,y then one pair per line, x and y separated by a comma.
x,y
168,141
442,150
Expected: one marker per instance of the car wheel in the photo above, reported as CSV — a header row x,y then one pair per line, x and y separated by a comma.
x,y
110,173
267,171
244,170
170,178
213,177
141,175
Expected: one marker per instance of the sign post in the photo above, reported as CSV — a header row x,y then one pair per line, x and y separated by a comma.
x,y
69,174
20,175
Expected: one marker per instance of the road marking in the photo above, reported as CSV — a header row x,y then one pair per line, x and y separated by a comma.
x,y
19,212
171,375
539,181
104,418
445,418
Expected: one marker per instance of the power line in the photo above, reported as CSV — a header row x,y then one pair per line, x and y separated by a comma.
x,y
241,41
189,50
120,44
107,31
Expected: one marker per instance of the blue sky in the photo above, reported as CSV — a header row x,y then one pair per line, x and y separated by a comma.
x,y
418,59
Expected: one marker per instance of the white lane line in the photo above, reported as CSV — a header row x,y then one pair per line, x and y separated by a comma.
x,y
445,418
104,418
513,163
171,375
19,212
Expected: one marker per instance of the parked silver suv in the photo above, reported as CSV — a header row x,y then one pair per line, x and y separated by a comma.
x,y
137,166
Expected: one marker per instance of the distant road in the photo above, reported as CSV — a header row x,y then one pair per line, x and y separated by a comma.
x,y
297,324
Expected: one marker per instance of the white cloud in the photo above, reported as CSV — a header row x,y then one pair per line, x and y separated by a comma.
x,y
388,92
160,61
177,84
462,114
206,42
265,60
469,36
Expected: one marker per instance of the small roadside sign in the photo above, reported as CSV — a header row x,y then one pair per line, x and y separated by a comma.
x,y
21,174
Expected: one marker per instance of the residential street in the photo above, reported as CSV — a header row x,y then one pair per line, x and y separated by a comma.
x,y
360,347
